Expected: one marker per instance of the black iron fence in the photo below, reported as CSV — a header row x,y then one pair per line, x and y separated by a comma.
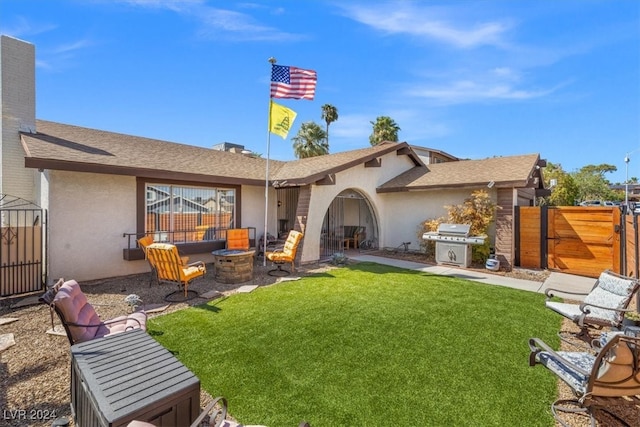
x,y
22,246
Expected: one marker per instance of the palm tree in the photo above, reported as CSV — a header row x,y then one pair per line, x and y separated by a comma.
x,y
329,115
310,141
384,129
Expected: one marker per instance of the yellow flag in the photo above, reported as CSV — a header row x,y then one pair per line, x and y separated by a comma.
x,y
281,119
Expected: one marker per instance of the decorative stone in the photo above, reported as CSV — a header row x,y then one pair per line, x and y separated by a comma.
x,y
7,320
6,341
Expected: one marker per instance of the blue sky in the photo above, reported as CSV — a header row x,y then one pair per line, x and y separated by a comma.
x,y
475,79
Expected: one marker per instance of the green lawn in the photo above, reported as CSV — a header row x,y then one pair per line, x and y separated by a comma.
x,y
370,345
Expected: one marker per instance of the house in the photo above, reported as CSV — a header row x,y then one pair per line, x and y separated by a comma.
x,y
100,190
431,155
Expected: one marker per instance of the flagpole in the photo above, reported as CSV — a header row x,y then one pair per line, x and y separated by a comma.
x,y
272,60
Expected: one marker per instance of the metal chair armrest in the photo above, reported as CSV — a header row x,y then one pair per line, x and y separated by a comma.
x,y
197,264
584,307
537,345
212,415
106,322
549,292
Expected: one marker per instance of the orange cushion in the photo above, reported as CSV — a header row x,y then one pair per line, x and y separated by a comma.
x,y
238,239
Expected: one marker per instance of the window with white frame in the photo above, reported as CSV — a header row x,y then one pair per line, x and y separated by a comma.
x,y
181,214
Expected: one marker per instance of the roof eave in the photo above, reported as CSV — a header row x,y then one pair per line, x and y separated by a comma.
x,y
400,148
41,164
407,188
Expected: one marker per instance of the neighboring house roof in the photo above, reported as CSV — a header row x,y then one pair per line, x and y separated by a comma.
x,y
426,151
65,147
512,171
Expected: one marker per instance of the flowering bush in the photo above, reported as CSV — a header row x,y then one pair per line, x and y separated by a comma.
x,y
478,211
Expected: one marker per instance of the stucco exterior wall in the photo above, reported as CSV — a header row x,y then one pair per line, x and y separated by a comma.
x,y
404,212
88,213
365,181
253,209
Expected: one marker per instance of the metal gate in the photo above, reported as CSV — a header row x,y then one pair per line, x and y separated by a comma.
x,y
332,235
348,212
22,246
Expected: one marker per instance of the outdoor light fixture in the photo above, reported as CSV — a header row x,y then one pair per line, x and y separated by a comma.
x,y
626,183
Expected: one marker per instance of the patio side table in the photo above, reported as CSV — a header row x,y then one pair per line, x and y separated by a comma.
x,y
129,376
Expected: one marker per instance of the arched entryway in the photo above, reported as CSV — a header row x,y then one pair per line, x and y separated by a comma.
x,y
349,221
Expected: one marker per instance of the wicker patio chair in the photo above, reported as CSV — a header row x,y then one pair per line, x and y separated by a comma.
x,y
79,318
614,372
604,306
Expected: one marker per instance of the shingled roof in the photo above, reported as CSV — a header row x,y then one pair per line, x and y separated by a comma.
x,y
60,146
512,171
315,169
66,147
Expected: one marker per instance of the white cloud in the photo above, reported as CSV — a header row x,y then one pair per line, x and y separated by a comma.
x,y
24,28
351,126
222,23
352,131
465,91
71,47
434,23
175,5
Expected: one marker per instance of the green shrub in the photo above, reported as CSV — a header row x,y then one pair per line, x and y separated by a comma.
x,y
478,211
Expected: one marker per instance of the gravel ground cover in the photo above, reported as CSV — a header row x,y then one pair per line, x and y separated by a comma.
x,y
35,376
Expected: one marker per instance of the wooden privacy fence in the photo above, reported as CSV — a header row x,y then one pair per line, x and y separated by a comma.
x,y
576,239
186,226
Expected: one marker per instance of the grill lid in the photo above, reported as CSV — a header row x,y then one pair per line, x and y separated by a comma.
x,y
454,229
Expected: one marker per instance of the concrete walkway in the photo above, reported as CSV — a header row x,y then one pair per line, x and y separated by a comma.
x,y
559,281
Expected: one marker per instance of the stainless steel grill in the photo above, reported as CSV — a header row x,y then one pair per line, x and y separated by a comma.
x,y
453,243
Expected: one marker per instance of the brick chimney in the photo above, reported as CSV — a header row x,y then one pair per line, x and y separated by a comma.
x,y
18,102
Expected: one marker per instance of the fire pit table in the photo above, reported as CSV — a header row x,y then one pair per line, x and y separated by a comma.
x,y
233,266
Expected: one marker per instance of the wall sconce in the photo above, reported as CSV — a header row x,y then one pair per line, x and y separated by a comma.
x,y
279,203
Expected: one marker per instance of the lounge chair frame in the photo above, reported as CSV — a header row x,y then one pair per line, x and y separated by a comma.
x,y
169,267
49,298
285,255
614,372
604,306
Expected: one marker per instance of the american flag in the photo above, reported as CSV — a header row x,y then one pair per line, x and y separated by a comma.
x,y
292,82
